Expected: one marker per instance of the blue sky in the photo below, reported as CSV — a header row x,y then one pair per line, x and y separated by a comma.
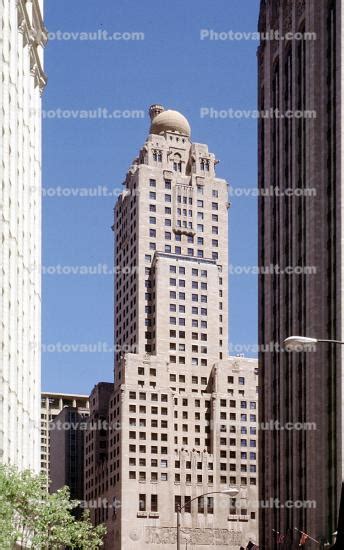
x,y
171,66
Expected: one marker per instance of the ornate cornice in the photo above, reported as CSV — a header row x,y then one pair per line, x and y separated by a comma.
x,y
31,25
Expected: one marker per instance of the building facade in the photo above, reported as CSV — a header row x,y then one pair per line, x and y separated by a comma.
x,y
51,406
23,37
302,229
173,417
66,465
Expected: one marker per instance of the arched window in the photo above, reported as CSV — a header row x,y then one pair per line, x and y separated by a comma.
x,y
177,163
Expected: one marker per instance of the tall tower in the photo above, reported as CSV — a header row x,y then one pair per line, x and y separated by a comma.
x,y
22,39
180,420
301,229
171,250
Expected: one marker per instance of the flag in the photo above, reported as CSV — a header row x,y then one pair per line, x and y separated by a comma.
x,y
303,539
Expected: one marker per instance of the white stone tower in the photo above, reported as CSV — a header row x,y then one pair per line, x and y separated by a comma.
x,y
21,61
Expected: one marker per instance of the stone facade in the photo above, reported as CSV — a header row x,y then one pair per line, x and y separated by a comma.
x,y
23,37
302,230
180,419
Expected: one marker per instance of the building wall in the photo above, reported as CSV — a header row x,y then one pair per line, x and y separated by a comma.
x,y
176,440
67,451
23,80
51,405
300,153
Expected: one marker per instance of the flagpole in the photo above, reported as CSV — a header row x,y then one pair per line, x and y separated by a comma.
x,y
303,533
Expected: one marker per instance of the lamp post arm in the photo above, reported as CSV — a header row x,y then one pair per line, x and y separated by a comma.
x,y
331,341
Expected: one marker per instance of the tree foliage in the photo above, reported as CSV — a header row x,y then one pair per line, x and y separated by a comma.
x,y
31,517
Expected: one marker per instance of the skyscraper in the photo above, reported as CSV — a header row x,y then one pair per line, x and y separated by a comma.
x,y
301,227
23,37
180,420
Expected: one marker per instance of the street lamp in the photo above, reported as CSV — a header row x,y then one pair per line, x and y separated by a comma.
x,y
231,491
302,343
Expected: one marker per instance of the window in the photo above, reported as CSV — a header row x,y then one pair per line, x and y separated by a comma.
x,y
142,503
152,183
152,220
167,184
154,503
177,502
177,163
201,505
152,195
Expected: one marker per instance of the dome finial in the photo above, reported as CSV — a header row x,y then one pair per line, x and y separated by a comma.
x,y
168,121
155,110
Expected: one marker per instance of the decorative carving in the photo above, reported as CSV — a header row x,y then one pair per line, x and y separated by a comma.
x,y
201,537
34,35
